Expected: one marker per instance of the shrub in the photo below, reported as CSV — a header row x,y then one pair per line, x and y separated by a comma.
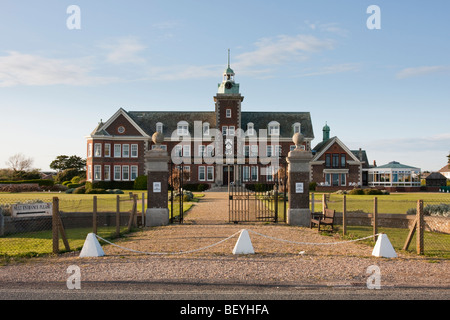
x,y
312,186
140,183
73,185
76,179
88,186
372,192
80,190
442,209
356,191
96,191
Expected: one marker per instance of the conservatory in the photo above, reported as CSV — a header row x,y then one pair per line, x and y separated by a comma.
x,y
394,174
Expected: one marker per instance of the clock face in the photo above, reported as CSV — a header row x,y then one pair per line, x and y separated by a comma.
x,y
228,85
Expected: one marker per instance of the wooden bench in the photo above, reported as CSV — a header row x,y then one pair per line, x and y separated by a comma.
x,y
323,219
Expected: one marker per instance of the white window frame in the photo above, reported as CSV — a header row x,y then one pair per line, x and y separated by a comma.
x,y
97,150
89,149
224,130
274,128
245,173
125,173
97,172
228,113
134,172
126,151
134,152
201,150
210,173
231,130
117,173
182,128
89,172
178,150
206,129
201,171
107,172
250,129
159,127
254,169
297,127
117,150
186,150
107,150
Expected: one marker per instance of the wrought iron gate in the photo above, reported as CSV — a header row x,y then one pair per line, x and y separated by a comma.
x,y
258,201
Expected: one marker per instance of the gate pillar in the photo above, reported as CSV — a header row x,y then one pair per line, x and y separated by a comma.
x,y
157,170
298,161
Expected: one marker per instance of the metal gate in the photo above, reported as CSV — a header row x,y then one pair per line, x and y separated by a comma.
x,y
264,201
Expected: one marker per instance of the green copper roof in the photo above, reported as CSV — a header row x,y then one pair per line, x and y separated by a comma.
x,y
395,165
229,71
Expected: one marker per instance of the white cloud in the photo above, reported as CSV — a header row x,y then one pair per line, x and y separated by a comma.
x,y
337,68
280,50
124,50
421,71
26,69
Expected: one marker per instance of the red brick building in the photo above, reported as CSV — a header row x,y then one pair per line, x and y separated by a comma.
x,y
212,146
336,167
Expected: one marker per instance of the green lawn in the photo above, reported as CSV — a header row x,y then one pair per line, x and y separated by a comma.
x,y
40,243
392,203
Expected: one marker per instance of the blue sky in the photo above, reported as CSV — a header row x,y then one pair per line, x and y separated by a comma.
x,y
385,91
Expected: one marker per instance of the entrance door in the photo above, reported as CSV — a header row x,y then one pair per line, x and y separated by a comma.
x,y
228,178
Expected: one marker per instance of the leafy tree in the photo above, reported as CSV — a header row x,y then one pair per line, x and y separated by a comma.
x,y
64,162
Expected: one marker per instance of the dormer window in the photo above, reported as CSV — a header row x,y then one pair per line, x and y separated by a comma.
x,y
183,128
206,129
159,127
297,127
250,129
274,128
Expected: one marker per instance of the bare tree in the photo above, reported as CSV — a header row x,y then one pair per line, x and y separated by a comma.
x,y
19,162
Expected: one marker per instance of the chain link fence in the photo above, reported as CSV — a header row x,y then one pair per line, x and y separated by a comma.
x,y
32,232
396,216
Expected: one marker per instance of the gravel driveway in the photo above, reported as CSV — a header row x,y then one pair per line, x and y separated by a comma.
x,y
274,262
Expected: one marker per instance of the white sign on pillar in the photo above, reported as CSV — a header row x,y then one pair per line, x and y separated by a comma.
x,y
156,186
299,187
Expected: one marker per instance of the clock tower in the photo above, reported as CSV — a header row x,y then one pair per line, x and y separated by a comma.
x,y
228,103
228,119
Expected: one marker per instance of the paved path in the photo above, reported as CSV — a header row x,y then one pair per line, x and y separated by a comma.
x,y
211,209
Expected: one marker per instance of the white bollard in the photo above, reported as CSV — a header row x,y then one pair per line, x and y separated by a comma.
x,y
244,244
383,247
91,247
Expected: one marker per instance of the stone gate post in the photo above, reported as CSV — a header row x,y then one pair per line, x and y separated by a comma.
x,y
298,161
157,170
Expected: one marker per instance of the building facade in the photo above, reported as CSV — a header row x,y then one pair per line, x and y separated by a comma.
x,y
212,147
335,167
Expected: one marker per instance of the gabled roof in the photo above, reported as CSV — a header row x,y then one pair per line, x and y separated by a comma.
x,y
323,146
101,130
436,176
445,168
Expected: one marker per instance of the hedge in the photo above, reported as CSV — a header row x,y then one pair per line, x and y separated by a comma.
x,y
41,182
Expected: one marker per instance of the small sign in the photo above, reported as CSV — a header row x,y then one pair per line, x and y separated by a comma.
x,y
156,186
299,187
31,209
